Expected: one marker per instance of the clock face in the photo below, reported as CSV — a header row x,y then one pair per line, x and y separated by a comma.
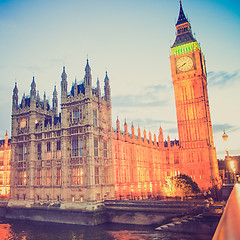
x,y
184,64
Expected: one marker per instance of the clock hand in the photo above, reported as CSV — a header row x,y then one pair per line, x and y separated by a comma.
x,y
182,65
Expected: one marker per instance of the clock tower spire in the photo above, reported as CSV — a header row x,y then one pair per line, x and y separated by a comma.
x,y
183,27
192,107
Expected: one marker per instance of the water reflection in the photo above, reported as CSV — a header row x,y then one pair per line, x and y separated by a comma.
x,y
28,230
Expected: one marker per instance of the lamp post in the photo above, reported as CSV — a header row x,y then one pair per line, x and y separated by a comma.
x,y
231,169
228,173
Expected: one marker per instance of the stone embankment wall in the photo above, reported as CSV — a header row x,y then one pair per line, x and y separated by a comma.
x,y
126,212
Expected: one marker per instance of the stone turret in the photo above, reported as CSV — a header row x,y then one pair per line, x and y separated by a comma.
x,y
33,91
125,129
160,138
139,133
107,91
6,141
15,97
75,91
88,80
118,127
144,136
169,142
55,102
132,129
98,91
44,101
150,137
64,84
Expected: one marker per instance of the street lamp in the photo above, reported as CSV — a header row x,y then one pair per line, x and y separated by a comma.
x,y
230,164
225,138
228,172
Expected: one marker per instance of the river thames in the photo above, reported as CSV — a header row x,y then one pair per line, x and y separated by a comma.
x,y
30,230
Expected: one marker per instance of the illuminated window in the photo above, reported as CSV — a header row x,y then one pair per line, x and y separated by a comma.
x,y
39,177
95,117
7,177
23,123
22,180
77,175
58,180
48,176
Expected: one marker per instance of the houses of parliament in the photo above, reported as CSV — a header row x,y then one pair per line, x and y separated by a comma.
x,y
78,156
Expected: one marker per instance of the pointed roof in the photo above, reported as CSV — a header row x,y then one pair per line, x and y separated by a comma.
x,y
106,77
181,18
184,32
15,90
33,84
55,91
64,75
87,66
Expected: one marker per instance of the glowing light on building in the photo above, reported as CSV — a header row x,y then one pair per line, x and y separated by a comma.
x,y
5,155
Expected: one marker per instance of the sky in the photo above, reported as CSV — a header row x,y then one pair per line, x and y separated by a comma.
x,y
131,40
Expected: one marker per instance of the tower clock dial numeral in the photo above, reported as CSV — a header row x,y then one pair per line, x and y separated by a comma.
x,y
184,64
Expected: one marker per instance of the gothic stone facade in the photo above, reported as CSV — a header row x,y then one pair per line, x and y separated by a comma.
x,y
65,157
75,156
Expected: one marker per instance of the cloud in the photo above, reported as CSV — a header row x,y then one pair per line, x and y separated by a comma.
x,y
172,130
222,77
137,101
151,122
151,96
158,87
227,127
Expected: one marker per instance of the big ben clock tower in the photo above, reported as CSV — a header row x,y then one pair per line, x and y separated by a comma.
x,y
197,151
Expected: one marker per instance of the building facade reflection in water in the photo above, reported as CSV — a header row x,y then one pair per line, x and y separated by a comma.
x,y
26,230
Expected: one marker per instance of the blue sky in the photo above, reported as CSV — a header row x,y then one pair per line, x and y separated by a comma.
x,y
131,40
